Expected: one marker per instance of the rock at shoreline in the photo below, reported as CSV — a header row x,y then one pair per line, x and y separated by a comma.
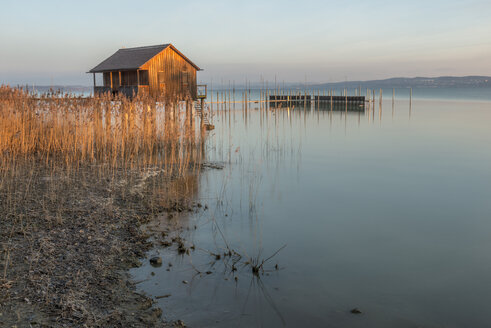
x,y
156,261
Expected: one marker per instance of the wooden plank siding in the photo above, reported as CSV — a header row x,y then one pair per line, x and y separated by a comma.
x,y
174,70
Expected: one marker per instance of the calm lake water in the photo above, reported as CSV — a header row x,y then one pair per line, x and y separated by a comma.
x,y
385,210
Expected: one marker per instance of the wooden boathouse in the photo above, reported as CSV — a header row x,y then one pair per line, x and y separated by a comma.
x,y
159,70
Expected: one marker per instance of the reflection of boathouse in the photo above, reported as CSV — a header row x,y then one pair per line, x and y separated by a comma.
x,y
155,70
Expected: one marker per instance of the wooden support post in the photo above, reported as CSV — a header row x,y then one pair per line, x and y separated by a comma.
x,y
211,95
202,109
111,76
137,82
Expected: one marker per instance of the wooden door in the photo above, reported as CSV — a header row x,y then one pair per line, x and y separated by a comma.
x,y
115,80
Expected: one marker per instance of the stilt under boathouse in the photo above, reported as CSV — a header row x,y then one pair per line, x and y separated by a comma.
x,y
159,70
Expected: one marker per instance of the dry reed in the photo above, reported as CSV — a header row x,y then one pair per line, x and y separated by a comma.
x,y
118,133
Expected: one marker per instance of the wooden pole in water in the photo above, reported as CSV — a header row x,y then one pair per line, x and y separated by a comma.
x,y
249,92
211,95
410,96
304,98
331,99
346,95
275,97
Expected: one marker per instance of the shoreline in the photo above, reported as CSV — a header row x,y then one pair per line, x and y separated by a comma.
x,y
73,268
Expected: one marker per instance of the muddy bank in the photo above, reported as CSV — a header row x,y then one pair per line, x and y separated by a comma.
x,y
68,239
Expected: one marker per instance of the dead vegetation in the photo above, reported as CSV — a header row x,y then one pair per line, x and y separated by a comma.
x,y
77,179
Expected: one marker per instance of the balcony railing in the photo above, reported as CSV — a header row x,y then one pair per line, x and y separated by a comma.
x,y
102,90
128,90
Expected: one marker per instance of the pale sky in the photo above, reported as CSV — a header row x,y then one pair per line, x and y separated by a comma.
x,y
56,42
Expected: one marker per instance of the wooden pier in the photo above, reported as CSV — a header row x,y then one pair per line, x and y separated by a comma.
x,y
338,103
289,100
340,99
318,101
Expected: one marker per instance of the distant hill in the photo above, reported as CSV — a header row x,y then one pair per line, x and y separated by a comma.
x,y
415,82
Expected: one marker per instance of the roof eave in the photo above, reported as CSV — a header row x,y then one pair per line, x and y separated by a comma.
x,y
113,70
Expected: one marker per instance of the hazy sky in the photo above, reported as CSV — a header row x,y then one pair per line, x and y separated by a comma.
x,y
56,42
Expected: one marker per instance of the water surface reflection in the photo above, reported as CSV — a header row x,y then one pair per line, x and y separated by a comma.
x,y
384,209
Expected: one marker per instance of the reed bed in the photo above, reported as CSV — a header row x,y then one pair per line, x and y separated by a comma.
x,y
118,133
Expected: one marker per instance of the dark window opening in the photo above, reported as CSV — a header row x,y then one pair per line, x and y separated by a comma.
x,y
128,78
106,76
144,77
115,79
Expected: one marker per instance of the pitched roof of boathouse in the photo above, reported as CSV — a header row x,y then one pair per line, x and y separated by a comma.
x,y
134,58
